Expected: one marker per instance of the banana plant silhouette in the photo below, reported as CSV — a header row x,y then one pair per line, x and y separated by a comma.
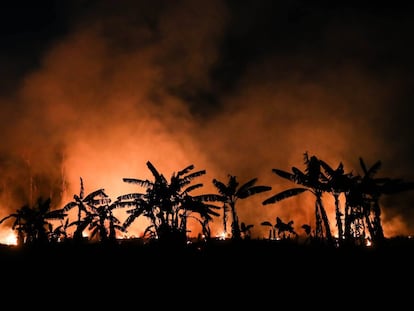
x,y
103,224
366,192
246,230
167,204
82,203
338,182
280,230
58,233
32,222
231,192
314,181
198,205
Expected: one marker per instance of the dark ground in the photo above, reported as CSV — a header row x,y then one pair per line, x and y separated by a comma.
x,y
259,271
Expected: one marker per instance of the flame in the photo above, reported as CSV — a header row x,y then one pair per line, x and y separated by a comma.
x,y
222,235
8,237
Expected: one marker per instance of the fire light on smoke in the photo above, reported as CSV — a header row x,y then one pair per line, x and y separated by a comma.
x,y
153,82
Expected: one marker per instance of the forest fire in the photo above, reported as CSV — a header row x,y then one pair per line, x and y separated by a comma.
x,y
172,212
74,107
162,148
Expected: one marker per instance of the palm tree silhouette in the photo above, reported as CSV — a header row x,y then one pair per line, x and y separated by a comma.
x,y
59,233
337,182
82,203
314,181
42,216
245,230
198,204
284,229
368,193
32,222
231,192
280,230
20,223
167,204
102,222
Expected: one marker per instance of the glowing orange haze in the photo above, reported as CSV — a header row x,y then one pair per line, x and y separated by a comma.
x,y
101,112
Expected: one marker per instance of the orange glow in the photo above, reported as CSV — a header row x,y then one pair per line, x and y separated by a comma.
x,y
222,236
89,110
8,237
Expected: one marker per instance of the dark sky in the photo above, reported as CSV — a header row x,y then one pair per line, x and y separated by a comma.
x,y
97,88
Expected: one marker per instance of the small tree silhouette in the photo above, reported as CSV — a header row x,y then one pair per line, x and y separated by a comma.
x,y
285,230
280,230
245,230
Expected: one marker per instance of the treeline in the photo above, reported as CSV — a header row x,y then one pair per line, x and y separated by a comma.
x,y
168,204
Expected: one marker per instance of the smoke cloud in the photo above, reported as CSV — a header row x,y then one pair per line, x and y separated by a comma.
x,y
179,83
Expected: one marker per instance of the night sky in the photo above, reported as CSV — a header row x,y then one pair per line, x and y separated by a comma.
x,y
95,89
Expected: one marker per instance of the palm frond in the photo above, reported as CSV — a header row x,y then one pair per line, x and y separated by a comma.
x,y
284,174
327,168
56,214
266,223
194,175
9,216
221,187
131,196
210,197
298,176
251,191
247,185
93,194
372,170
69,206
82,189
245,227
185,170
150,230
284,195
140,182
158,177
120,228
193,187
134,214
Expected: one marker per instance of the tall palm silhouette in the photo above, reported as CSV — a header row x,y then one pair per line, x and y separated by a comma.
x,y
82,203
231,192
33,222
312,180
370,190
42,216
102,222
20,223
338,182
167,203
